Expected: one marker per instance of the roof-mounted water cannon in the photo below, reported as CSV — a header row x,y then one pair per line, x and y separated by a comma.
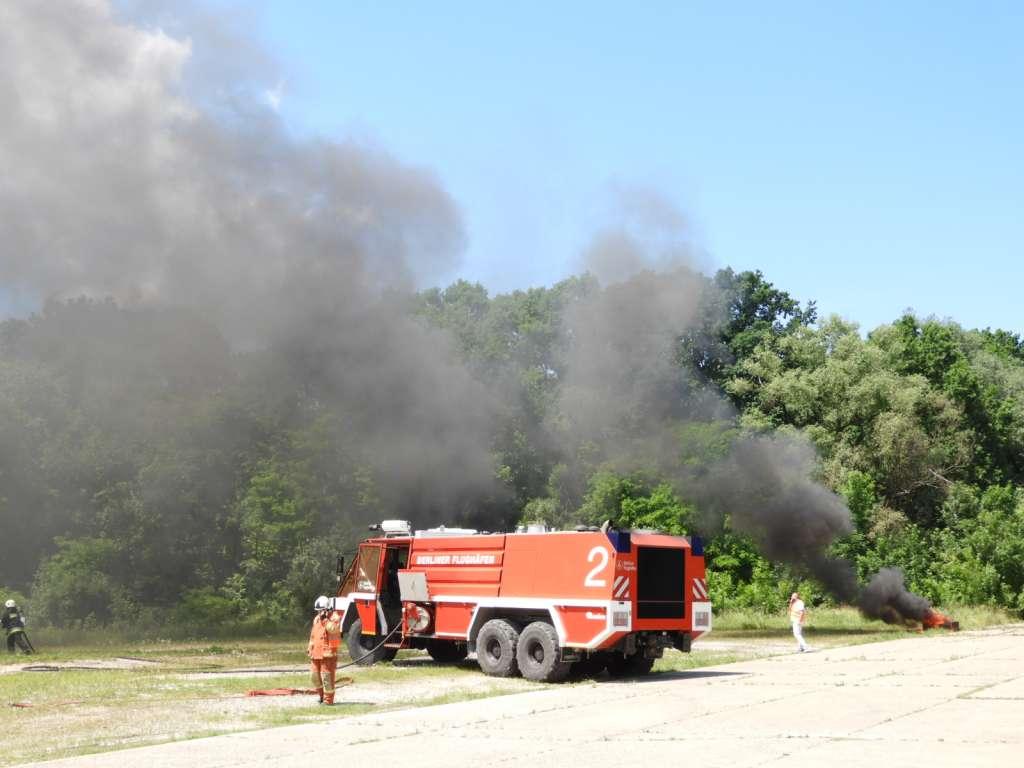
x,y
536,526
393,528
442,530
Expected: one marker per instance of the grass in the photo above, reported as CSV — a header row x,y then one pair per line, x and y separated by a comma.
x,y
845,624
170,698
54,647
174,697
674,661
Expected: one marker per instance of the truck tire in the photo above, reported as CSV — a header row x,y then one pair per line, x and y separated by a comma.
x,y
496,648
629,666
360,646
447,651
538,654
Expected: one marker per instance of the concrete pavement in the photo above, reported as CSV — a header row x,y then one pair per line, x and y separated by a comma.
x,y
935,701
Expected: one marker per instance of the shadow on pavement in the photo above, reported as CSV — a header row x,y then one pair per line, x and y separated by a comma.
x,y
689,674
603,677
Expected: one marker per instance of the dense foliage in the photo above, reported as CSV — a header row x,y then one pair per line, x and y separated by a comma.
x,y
151,473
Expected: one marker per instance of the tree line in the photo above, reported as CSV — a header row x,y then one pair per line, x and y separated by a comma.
x,y
152,473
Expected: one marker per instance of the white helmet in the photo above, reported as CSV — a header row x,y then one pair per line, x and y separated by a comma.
x,y
322,603
10,604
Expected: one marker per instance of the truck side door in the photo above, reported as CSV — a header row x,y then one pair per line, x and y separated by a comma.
x,y
366,591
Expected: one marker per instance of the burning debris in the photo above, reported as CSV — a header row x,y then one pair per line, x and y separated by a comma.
x,y
937,620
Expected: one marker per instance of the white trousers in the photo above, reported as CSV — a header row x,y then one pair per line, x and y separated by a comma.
x,y
798,633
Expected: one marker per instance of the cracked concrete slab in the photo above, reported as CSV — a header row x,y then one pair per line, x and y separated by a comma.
x,y
936,700
1014,689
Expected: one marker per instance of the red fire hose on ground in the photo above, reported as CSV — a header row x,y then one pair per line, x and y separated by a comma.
x,y
257,692
337,683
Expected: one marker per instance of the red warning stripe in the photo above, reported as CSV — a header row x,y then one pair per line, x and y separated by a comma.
x,y
620,590
700,589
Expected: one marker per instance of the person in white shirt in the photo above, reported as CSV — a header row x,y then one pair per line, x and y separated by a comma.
x,y
797,614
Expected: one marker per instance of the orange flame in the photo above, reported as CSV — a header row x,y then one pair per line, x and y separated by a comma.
x,y
934,619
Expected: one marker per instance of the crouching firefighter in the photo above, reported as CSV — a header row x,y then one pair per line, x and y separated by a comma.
x,y
13,623
324,640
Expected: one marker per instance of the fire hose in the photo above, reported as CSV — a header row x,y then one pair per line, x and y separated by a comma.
x,y
63,667
374,649
272,691
294,691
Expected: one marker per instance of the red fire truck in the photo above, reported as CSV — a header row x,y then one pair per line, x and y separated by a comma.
x,y
537,603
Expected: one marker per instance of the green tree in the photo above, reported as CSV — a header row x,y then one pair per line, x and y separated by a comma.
x,y
81,583
275,518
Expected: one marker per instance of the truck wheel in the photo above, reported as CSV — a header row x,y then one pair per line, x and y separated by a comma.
x,y
538,654
359,645
496,648
446,651
629,666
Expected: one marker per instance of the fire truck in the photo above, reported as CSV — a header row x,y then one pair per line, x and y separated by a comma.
x,y
543,604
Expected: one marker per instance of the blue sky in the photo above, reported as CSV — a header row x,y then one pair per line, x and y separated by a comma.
x,y
869,158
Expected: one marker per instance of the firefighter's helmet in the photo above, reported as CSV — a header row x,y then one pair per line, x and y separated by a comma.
x,y
322,603
10,604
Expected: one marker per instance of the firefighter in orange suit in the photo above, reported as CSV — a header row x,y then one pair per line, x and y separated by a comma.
x,y
324,640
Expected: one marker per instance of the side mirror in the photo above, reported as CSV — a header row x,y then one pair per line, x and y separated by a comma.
x,y
340,570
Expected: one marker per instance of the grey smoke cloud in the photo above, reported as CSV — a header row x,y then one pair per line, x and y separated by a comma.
x,y
139,164
622,377
117,183
645,231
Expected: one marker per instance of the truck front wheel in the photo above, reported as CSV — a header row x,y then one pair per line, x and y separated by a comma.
x,y
361,647
496,648
538,654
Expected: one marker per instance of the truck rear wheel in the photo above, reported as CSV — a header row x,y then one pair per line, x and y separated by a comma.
x,y
629,666
496,648
361,647
539,655
447,651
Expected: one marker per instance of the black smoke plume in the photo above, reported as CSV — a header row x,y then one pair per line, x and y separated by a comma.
x,y
627,390
886,597
766,488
